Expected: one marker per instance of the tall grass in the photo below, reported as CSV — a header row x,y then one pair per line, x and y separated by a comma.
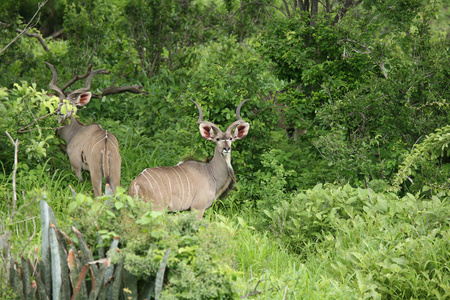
x,y
31,184
270,271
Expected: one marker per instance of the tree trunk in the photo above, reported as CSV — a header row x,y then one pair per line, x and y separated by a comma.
x,y
314,11
341,13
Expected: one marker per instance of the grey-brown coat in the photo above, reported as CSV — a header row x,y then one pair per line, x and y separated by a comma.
x,y
193,185
89,147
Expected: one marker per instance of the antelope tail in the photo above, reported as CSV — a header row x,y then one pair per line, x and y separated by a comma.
x,y
106,159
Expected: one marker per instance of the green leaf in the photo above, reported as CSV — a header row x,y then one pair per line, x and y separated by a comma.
x,y
80,199
56,271
118,205
130,202
72,206
160,275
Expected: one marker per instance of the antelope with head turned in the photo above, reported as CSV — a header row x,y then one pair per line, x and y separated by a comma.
x,y
193,185
89,147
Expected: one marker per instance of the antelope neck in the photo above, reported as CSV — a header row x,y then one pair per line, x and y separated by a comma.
x,y
70,129
221,169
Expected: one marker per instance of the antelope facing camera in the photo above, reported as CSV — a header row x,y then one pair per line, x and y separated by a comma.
x,y
193,185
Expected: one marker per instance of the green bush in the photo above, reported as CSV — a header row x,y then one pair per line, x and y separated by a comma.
x,y
381,245
21,107
196,266
312,213
269,184
428,157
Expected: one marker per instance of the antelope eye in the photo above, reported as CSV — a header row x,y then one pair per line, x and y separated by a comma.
x,y
231,139
217,139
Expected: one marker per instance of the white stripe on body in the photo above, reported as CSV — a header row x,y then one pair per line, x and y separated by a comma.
x,y
117,149
170,184
102,139
92,149
143,173
189,184
156,182
182,185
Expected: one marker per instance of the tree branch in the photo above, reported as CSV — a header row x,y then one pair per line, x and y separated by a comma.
x,y
255,292
56,34
35,35
354,49
76,78
22,130
25,30
287,8
135,89
380,61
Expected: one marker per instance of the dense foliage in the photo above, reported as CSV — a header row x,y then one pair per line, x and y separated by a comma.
x,y
196,268
354,205
361,233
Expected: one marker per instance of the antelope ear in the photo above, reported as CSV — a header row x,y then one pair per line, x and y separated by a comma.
x,y
241,131
83,99
207,132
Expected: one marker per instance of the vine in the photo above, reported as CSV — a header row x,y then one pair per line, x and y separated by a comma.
x,y
434,146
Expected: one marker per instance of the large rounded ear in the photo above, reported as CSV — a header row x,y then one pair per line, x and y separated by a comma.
x,y
241,131
83,99
207,132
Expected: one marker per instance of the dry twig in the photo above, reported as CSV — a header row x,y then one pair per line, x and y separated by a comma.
x,y
25,30
16,150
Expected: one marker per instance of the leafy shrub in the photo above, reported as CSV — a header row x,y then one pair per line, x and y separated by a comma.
x,y
197,267
20,107
272,179
381,245
360,161
434,147
311,213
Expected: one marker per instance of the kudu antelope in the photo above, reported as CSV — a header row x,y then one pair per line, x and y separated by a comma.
x,y
89,147
190,184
